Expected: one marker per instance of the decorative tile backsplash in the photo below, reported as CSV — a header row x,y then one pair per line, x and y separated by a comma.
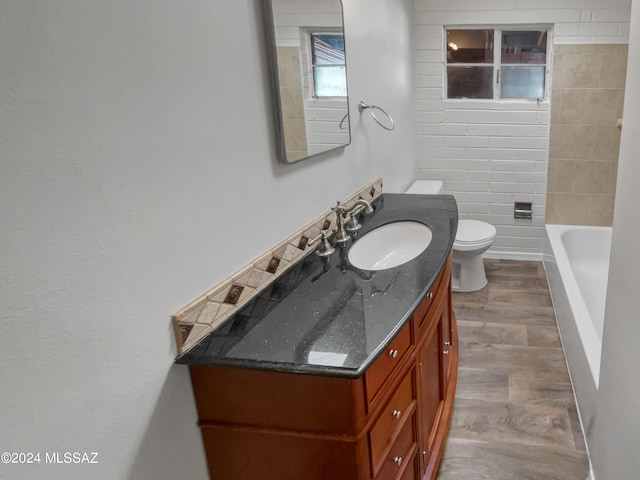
x,y
200,317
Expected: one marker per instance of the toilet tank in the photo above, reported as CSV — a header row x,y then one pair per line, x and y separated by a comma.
x,y
426,187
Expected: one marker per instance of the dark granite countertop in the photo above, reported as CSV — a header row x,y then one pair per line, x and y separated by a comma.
x,y
324,316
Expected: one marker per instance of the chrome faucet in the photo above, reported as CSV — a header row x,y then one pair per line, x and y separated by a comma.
x,y
342,236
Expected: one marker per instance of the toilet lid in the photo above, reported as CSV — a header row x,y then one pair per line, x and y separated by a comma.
x,y
474,231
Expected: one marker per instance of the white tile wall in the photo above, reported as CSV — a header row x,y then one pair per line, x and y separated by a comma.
x,y
492,154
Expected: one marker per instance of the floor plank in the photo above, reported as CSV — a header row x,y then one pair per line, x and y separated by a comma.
x,y
512,423
529,298
515,415
482,312
535,387
510,357
478,460
543,336
489,332
482,384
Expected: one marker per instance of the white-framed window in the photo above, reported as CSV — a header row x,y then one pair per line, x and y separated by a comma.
x,y
497,63
328,64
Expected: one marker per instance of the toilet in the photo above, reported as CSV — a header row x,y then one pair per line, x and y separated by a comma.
x,y
473,238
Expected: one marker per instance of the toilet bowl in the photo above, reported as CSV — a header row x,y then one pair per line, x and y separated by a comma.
x,y
473,238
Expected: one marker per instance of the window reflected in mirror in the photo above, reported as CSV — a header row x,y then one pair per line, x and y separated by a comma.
x,y
328,65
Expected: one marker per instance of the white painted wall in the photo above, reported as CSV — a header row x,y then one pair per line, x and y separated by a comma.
x,y
617,428
128,131
491,154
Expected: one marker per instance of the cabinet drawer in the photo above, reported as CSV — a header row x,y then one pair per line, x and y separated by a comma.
x,y
398,456
390,418
376,375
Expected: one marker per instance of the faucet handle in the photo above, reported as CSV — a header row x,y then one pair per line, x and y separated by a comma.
x,y
324,249
353,225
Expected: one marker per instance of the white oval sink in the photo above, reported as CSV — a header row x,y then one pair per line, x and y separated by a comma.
x,y
390,245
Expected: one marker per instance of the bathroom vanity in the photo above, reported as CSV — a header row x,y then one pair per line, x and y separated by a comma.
x,y
335,372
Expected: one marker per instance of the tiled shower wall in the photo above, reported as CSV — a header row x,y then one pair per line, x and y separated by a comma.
x,y
587,99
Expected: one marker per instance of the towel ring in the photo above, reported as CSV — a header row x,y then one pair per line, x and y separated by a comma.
x,y
363,106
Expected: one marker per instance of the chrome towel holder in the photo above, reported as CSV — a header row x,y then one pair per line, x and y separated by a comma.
x,y
372,108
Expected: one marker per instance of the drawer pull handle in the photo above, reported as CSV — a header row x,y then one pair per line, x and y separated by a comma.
x,y
397,414
430,295
447,343
445,352
397,460
393,353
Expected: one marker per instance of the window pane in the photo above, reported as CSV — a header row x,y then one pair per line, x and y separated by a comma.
x,y
327,49
524,47
522,82
470,82
469,46
330,81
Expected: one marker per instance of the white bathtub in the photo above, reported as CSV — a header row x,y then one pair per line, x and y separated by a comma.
x,y
582,258
576,261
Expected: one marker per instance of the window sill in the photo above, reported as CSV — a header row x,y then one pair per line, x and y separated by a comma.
x,y
501,101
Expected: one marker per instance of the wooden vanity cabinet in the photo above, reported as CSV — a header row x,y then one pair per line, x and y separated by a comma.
x,y
389,424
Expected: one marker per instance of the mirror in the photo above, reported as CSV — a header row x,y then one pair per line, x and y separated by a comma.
x,y
308,64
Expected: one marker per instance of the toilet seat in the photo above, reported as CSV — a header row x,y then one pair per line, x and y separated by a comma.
x,y
473,238
473,234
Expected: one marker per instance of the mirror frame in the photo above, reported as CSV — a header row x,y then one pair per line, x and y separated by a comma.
x,y
275,88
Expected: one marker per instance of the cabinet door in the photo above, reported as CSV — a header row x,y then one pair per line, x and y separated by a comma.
x,y
431,393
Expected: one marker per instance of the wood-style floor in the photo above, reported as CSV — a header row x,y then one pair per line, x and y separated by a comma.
x,y
515,416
